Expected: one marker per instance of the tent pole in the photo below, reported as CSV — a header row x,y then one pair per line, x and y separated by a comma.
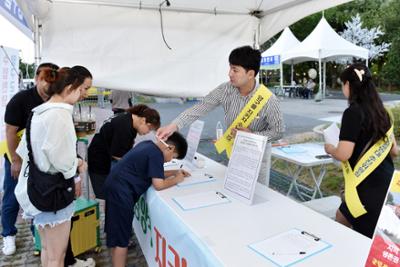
x,y
281,81
324,77
291,74
320,77
36,41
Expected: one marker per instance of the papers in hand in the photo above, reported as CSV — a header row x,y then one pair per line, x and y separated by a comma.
x,y
201,200
331,134
289,247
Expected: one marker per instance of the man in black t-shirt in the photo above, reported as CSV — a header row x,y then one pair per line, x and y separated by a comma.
x,y
16,115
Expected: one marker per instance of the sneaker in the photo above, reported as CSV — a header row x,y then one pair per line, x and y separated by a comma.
x,y
89,262
9,245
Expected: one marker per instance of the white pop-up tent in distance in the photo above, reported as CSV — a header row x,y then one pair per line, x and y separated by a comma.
x,y
121,41
285,42
323,44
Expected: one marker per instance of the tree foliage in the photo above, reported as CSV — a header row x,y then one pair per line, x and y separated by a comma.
x,y
373,13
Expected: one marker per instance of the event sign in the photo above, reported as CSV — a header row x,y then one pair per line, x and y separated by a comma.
x,y
193,140
385,249
10,10
270,62
244,166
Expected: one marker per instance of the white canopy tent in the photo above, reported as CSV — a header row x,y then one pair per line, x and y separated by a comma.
x,y
323,44
121,41
285,42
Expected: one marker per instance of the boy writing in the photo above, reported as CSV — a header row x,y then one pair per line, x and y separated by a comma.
x,y
140,168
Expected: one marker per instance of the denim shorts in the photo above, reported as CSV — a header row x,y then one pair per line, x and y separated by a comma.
x,y
52,219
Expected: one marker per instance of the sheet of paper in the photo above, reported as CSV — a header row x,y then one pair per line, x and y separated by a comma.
x,y
197,177
201,200
193,139
289,247
244,166
331,134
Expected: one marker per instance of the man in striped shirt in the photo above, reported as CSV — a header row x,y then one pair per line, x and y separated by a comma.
x,y
244,63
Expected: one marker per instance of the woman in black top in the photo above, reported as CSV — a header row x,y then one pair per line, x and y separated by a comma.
x,y
364,123
115,138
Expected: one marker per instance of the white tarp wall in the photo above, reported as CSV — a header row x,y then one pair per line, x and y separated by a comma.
x,y
138,59
9,84
120,41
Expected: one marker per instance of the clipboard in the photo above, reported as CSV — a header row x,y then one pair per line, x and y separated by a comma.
x,y
201,200
290,247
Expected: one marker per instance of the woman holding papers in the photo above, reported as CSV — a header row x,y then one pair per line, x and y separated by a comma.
x,y
115,138
366,147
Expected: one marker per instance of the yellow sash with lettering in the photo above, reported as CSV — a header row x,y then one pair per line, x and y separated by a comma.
x,y
245,118
395,186
367,164
4,146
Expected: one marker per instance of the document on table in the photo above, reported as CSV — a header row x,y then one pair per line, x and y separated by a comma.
x,y
244,166
201,200
197,177
331,134
290,247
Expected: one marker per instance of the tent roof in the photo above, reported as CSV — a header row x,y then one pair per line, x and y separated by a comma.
x,y
286,41
323,42
120,41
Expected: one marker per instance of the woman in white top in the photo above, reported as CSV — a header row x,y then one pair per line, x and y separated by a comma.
x,y
53,142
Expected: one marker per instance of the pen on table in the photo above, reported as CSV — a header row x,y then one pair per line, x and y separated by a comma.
x,y
292,253
316,238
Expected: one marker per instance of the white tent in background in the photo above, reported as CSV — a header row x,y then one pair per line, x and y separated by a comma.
x,y
121,41
323,44
271,58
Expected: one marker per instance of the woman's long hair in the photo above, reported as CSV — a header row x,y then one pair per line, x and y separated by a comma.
x,y
151,115
363,93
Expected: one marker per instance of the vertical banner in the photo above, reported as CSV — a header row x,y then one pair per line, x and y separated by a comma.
x,y
385,249
9,63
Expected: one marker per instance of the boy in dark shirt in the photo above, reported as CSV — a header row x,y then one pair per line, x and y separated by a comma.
x,y
140,168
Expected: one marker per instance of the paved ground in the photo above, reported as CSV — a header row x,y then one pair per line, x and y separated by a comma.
x,y
299,115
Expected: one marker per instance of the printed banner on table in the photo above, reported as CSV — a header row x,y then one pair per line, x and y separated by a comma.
x,y
165,240
385,249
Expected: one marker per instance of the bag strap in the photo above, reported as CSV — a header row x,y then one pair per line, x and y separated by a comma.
x,y
28,137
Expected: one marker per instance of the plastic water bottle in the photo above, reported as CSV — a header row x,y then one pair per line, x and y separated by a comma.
x,y
219,130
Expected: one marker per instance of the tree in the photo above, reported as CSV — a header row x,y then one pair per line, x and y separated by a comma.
x,y
364,37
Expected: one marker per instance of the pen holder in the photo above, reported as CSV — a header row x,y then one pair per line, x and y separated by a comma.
x,y
199,162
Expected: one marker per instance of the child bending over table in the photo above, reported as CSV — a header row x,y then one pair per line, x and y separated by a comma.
x,y
140,168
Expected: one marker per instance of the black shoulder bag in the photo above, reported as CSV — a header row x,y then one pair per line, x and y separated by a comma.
x,y
47,192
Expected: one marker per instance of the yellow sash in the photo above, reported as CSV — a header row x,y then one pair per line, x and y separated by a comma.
x,y
367,164
4,146
395,187
245,118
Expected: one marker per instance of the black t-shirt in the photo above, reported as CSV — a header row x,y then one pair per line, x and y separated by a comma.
x,y
115,138
354,129
20,106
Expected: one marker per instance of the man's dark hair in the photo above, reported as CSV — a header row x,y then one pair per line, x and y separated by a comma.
x,y
181,146
82,71
246,57
46,65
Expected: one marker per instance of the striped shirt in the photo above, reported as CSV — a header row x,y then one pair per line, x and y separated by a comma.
x,y
269,121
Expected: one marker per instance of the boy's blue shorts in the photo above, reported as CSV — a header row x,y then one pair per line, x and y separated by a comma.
x,y
118,224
